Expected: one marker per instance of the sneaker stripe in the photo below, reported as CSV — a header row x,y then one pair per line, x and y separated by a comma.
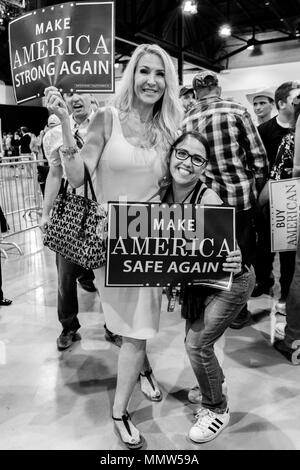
x,y
212,429
215,424
208,426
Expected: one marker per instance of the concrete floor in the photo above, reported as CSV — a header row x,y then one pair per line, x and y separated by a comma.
x,y
51,400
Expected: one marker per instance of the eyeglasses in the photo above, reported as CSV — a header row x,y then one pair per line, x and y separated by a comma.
x,y
183,154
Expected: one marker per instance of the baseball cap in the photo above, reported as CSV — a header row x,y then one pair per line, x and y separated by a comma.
x,y
205,79
185,89
260,92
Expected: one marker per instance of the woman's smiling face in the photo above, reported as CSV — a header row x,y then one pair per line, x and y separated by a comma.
x,y
149,79
184,171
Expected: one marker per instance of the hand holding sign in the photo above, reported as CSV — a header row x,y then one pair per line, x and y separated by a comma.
x,y
233,262
55,103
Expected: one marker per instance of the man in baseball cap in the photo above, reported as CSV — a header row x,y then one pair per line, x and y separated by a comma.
x,y
187,96
262,101
203,82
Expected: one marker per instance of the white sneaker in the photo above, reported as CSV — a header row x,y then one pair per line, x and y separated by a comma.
x,y
195,395
208,425
281,307
279,330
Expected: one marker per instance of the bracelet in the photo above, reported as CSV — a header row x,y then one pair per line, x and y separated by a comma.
x,y
68,152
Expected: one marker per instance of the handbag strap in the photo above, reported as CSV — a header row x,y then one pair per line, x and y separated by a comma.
x,y
88,182
63,188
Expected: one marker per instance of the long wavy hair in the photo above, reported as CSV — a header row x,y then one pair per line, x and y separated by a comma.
x,y
168,111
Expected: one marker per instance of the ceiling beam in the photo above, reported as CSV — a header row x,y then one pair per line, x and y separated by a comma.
x,y
133,13
212,32
169,24
230,54
219,12
143,9
273,8
159,17
257,42
249,16
173,50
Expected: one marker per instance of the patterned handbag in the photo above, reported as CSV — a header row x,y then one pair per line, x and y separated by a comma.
x,y
78,227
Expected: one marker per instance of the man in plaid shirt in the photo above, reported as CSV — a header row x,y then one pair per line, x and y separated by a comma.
x,y
237,168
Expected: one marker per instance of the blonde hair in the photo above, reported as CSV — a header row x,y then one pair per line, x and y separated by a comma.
x,y
168,111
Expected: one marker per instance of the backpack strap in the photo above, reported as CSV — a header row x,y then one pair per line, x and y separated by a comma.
x,y
167,193
198,193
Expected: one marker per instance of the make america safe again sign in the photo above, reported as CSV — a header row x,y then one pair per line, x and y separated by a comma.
x,y
152,244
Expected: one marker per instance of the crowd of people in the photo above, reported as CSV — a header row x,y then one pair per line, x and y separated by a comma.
x,y
18,143
154,142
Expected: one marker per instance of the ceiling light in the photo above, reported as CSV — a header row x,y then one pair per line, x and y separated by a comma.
x,y
251,47
189,6
225,31
256,50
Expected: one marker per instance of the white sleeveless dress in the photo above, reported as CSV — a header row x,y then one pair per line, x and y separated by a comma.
x,y
133,172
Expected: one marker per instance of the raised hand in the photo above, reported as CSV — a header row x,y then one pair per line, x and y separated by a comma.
x,y
55,103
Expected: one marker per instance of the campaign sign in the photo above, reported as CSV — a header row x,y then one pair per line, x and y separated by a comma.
x,y
152,244
70,46
285,214
18,3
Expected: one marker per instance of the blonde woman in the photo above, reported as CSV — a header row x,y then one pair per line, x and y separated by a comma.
x,y
126,147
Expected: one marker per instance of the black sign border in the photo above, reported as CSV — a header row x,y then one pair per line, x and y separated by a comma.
x,y
111,90
127,203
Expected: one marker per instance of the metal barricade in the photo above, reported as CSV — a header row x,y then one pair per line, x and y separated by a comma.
x,y
20,196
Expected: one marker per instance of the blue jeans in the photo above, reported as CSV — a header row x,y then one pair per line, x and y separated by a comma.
x,y
287,268
219,310
292,329
67,300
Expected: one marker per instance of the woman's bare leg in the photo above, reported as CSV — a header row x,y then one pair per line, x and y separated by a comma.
x,y
149,386
131,359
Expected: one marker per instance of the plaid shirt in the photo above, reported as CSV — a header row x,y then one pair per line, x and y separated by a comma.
x,y
237,157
